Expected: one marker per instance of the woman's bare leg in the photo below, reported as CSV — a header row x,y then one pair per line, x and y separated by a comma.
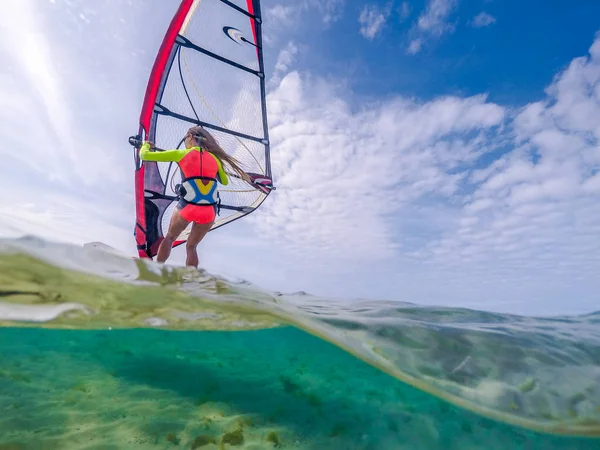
x,y
176,227
199,230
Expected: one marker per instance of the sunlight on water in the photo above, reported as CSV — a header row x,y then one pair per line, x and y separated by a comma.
x,y
114,376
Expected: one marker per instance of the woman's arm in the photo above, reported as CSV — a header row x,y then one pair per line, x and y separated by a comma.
x,y
221,175
165,156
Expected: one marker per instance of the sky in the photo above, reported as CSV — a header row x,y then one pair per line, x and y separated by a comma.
x,y
441,152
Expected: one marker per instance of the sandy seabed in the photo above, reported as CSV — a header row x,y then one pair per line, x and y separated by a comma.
x,y
262,389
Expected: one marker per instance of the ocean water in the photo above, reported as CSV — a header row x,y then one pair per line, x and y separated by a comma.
x,y
102,351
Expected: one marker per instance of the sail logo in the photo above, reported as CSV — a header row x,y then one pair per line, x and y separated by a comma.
x,y
236,36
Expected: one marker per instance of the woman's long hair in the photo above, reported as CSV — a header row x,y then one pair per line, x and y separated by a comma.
x,y
207,141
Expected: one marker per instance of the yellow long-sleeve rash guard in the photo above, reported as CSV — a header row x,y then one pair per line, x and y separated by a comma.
x,y
176,156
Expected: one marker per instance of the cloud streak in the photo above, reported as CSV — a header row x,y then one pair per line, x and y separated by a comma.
x,y
285,59
331,10
290,19
432,23
404,10
435,18
483,20
372,18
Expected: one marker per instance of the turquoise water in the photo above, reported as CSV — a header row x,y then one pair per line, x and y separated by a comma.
x,y
99,351
151,388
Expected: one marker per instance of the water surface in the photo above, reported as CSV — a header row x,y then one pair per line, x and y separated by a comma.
x,y
104,351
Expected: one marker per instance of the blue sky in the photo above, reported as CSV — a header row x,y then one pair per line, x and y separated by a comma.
x,y
466,60
441,152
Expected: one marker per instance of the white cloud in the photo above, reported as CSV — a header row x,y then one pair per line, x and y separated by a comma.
x,y
330,10
435,17
525,224
286,20
340,174
284,14
433,22
280,18
285,59
415,46
372,19
532,210
482,20
404,10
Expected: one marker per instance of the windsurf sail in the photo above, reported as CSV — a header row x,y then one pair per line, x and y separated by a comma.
x,y
209,71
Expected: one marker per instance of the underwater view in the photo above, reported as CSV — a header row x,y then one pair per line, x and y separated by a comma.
x,y
103,351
